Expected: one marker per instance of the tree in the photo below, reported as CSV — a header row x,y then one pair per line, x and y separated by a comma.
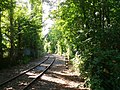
x,y
1,52
20,30
91,28
11,13
3,6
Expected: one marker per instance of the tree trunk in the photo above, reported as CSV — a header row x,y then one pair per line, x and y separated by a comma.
x,y
19,55
11,33
100,18
107,13
94,11
103,15
1,51
83,11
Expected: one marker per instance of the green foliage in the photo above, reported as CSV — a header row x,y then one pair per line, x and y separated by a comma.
x,y
92,29
20,31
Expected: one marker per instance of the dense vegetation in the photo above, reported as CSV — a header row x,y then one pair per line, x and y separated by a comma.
x,y
88,32
20,31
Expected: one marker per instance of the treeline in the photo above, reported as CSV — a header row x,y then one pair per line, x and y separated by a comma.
x,y
20,31
88,32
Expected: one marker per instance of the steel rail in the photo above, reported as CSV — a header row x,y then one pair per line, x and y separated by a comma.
x,y
13,78
40,75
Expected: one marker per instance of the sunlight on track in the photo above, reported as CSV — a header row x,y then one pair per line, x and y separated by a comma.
x,y
60,80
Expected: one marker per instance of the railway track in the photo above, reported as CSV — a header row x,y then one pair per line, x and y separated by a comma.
x,y
27,78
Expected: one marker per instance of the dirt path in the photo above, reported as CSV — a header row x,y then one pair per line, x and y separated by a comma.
x,y
57,78
60,78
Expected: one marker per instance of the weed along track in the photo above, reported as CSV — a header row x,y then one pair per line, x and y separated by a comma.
x,y
27,78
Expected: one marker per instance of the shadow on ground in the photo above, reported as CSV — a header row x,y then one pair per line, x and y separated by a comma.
x,y
59,78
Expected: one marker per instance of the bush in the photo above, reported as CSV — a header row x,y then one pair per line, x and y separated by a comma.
x,y
103,70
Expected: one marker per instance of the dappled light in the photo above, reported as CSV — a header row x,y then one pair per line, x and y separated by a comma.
x,y
78,41
61,81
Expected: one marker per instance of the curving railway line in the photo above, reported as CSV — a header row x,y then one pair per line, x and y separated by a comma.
x,y
27,78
